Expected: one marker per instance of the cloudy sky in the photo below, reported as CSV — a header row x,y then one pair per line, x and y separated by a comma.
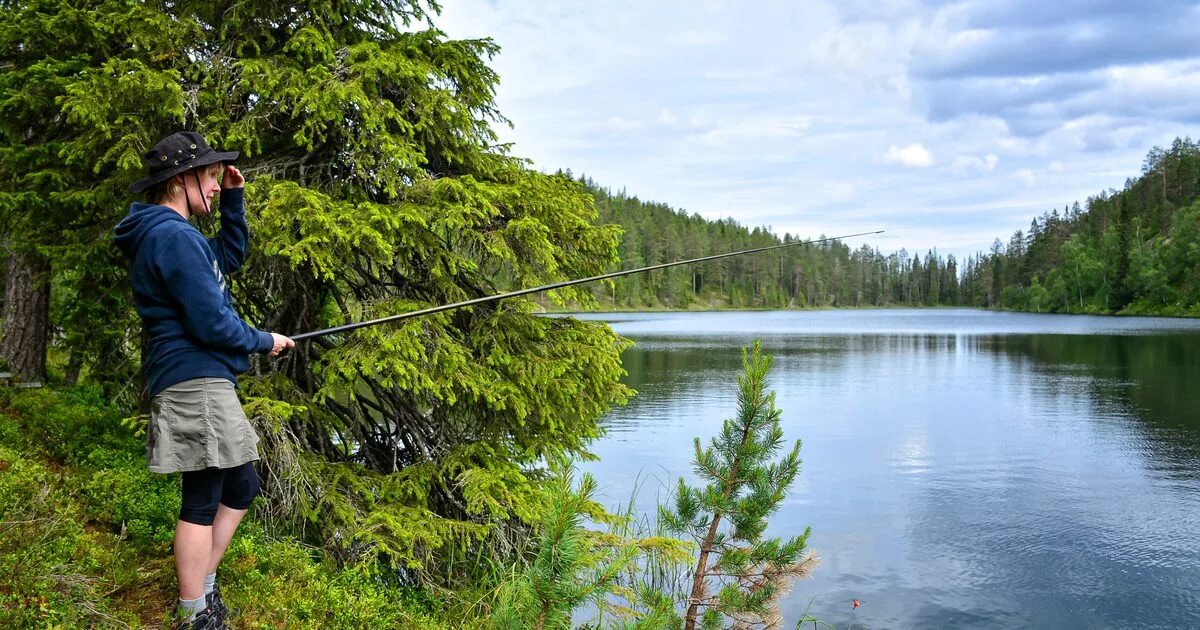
x,y
947,124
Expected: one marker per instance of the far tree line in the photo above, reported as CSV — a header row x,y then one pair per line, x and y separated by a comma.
x,y
1136,250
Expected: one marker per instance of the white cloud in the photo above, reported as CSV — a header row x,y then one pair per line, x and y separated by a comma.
x,y
757,130
1173,80
622,124
699,38
914,155
967,163
843,191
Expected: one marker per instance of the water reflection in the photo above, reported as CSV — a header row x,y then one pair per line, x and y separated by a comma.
x,y
1150,379
976,477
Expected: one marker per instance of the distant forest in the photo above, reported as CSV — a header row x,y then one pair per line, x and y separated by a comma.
x,y
1136,250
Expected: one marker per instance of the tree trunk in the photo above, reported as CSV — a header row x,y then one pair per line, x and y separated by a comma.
x,y
26,314
693,610
74,367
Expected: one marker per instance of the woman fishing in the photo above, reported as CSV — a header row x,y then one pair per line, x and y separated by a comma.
x,y
195,346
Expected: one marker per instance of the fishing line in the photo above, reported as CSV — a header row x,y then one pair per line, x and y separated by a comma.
x,y
557,285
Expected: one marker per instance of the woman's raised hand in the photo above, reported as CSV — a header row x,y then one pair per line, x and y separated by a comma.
x,y
233,178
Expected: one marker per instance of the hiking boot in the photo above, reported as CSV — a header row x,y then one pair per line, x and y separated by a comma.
x,y
213,600
206,619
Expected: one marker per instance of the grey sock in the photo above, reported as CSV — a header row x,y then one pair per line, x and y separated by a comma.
x,y
192,606
210,581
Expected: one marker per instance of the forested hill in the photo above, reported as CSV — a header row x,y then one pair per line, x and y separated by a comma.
x,y
1132,251
824,274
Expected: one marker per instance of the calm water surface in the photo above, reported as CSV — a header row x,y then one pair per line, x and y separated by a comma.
x,y
961,468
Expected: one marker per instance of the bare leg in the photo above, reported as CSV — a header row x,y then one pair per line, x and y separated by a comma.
x,y
224,525
193,546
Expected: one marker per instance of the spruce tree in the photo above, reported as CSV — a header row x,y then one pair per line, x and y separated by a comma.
x,y
375,185
740,572
62,165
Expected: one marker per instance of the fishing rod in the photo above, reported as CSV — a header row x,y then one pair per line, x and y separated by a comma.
x,y
556,285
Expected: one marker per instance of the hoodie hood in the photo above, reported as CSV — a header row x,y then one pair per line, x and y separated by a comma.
x,y
142,218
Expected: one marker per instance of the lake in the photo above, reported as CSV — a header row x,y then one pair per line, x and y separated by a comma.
x,y
961,468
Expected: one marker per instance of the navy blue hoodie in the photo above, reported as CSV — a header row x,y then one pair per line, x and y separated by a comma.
x,y
179,289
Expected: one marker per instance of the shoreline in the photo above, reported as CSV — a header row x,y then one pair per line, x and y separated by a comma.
x,y
849,308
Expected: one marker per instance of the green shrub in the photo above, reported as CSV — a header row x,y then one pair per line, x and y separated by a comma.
x,y
10,430
281,584
63,425
574,570
81,517
77,427
47,558
120,491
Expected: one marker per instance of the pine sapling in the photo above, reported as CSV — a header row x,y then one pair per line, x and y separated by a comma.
x,y
727,517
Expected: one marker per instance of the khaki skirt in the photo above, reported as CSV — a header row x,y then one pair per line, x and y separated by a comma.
x,y
198,424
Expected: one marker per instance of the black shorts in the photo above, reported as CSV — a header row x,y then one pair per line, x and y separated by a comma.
x,y
203,489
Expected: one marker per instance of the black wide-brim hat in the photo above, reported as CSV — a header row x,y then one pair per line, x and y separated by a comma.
x,y
175,154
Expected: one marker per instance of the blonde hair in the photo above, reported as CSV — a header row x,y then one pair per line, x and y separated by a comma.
x,y
165,190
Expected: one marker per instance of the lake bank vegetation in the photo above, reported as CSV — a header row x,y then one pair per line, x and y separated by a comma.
x,y
86,530
1133,251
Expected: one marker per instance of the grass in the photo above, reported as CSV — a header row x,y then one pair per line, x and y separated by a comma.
x,y
86,529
